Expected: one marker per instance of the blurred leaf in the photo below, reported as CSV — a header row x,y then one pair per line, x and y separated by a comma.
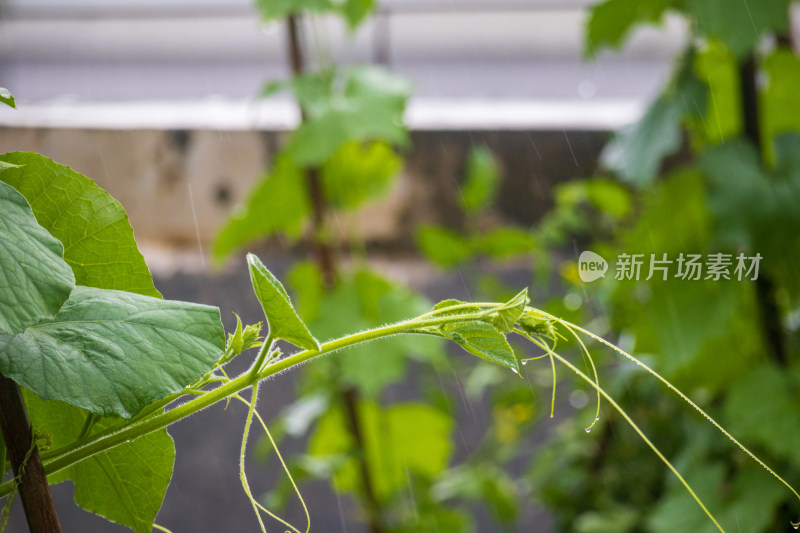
x,y
741,26
370,107
484,483
356,11
443,246
363,301
305,280
622,520
505,242
480,187
673,217
356,173
755,210
279,9
421,436
312,90
7,98
609,197
300,415
98,239
780,105
277,204
125,484
773,422
403,438
674,220
717,68
281,316
636,153
747,505
609,22
482,377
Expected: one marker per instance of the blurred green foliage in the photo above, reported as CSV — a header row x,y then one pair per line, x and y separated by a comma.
x,y
697,184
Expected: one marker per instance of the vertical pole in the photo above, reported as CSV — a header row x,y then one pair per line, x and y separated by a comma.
x,y
25,460
327,265
765,288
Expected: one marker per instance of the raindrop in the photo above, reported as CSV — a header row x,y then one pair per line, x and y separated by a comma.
x,y
578,399
524,361
588,430
796,526
573,301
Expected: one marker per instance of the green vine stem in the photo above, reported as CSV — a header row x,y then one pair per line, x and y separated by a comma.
x,y
60,459
69,455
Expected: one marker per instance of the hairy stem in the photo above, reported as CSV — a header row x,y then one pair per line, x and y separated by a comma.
x,y
108,439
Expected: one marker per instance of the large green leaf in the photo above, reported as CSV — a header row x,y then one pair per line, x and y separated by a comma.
x,y
741,25
93,226
114,352
281,315
358,172
370,107
125,484
277,204
34,279
7,98
610,22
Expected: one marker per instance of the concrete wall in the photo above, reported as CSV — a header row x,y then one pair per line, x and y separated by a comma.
x,y
179,186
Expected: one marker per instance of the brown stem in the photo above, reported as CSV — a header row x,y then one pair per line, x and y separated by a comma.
x,y
765,289
24,455
351,400
748,77
322,249
325,259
